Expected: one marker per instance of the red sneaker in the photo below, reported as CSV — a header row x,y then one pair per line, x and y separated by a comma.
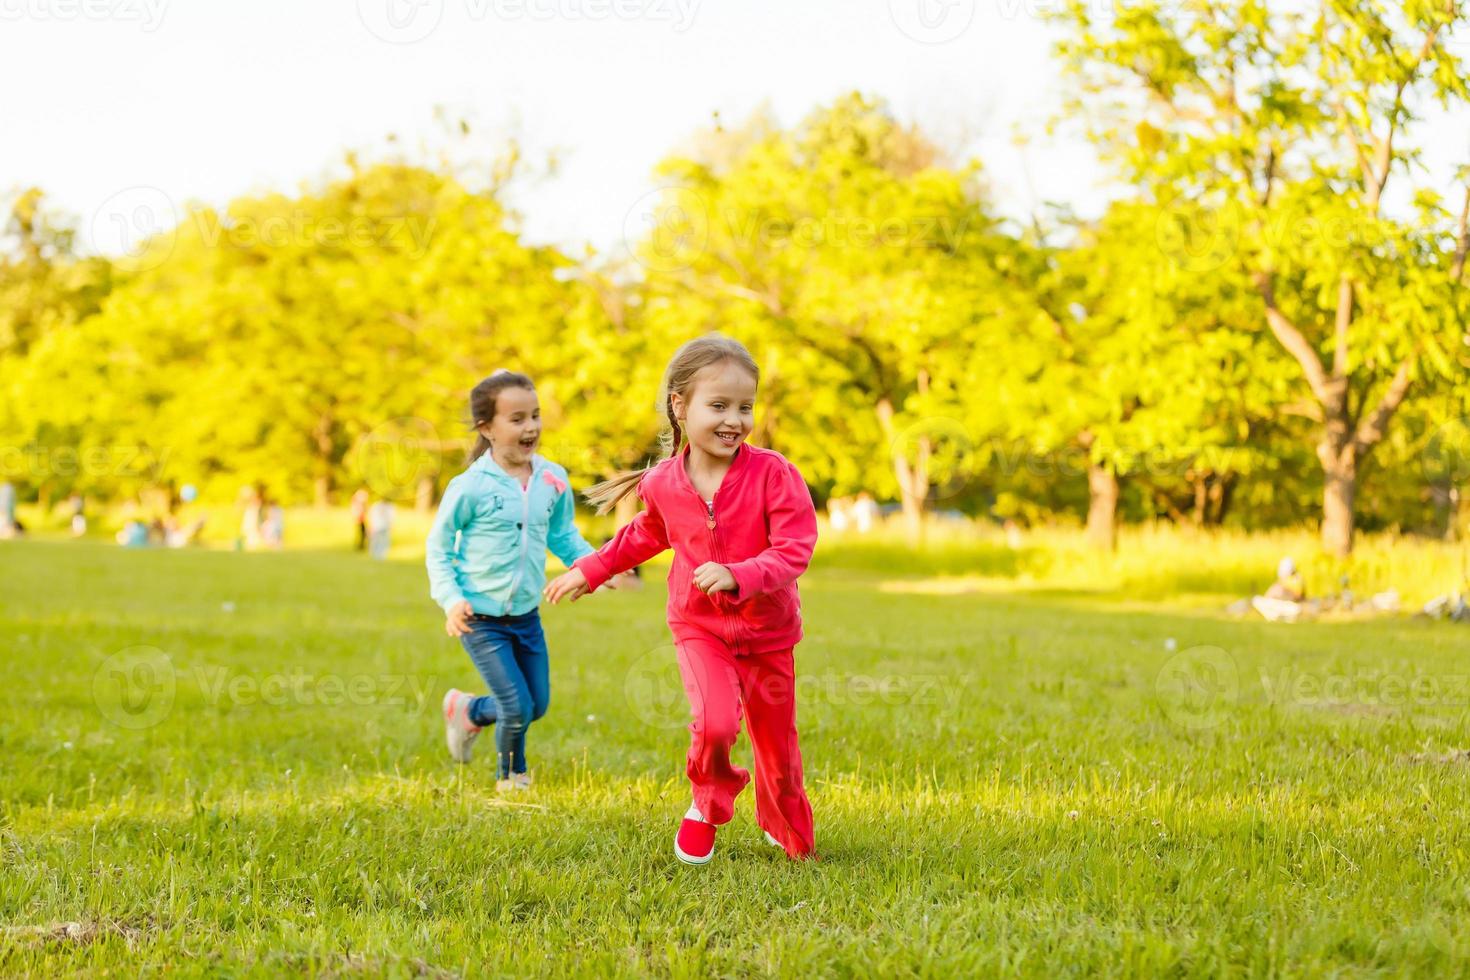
x,y
695,842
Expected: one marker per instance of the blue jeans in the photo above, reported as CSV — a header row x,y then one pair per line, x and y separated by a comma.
x,y
510,653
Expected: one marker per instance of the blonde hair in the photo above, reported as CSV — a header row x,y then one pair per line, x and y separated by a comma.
x,y
687,362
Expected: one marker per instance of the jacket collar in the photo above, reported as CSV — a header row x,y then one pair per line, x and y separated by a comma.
x,y
487,462
737,465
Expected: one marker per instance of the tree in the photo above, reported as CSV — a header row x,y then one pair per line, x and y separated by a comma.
x,y
46,289
1120,368
860,268
1271,136
285,339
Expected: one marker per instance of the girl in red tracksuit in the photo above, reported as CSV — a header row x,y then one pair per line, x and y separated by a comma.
x,y
742,525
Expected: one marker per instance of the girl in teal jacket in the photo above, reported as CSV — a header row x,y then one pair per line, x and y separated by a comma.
x,y
486,556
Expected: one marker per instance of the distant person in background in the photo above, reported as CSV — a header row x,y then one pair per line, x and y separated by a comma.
x,y
252,499
9,527
1288,584
838,513
273,527
177,534
360,502
134,533
380,526
78,505
864,512
1282,602
1014,538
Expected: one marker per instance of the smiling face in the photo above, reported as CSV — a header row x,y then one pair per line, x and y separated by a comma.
x,y
718,411
515,431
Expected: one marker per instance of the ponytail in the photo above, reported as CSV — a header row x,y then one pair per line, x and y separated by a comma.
x,y
480,448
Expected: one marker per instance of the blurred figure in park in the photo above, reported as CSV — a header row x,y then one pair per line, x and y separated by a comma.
x,y
380,528
360,501
8,525
252,500
273,526
1288,584
78,505
1282,602
839,513
133,534
1014,538
864,512
177,534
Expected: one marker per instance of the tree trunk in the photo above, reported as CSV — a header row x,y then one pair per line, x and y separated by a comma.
x,y
322,437
423,500
1339,491
912,478
1102,507
1220,493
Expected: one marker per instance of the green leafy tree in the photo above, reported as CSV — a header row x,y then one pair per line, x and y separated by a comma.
x,y
315,341
46,289
1120,368
862,271
1271,136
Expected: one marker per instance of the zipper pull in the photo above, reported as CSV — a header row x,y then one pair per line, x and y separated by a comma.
x,y
709,521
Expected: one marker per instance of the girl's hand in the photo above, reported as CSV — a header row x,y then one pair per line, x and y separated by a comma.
x,y
569,585
458,623
711,578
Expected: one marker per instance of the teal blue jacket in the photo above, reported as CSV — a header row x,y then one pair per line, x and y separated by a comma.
x,y
489,540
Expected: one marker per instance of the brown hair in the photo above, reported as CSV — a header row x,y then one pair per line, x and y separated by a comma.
x,y
482,404
687,362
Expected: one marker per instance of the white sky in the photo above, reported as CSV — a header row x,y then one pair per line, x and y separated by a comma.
x,y
147,104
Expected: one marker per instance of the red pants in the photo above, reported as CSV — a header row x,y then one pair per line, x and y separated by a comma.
x,y
719,684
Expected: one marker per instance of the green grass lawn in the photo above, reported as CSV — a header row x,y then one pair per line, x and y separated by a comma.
x,y
233,763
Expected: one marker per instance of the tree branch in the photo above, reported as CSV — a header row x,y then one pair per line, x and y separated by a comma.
x,y
1372,429
1384,160
1295,341
1342,321
1462,241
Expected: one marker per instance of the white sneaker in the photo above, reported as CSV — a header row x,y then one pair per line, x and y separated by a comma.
x,y
459,732
773,841
518,781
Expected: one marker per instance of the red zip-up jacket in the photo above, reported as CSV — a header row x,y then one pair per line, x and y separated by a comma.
x,y
762,526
